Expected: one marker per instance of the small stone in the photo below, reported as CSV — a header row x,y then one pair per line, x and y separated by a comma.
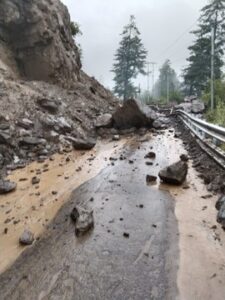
x,y
151,178
27,238
35,180
116,137
150,155
126,235
184,157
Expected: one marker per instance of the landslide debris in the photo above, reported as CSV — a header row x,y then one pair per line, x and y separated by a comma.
x,y
47,102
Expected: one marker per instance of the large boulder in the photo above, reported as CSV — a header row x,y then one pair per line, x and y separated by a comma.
x,y
175,173
132,114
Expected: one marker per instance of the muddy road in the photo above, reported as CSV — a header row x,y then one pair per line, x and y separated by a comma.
x,y
143,241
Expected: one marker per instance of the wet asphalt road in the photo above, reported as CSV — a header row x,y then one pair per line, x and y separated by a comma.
x,y
104,264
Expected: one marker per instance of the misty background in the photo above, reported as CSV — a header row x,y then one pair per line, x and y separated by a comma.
x,y
164,27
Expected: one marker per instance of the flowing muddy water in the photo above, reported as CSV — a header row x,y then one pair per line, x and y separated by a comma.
x,y
34,206
158,261
201,273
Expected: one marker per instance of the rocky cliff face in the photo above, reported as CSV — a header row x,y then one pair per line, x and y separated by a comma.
x,y
38,35
46,100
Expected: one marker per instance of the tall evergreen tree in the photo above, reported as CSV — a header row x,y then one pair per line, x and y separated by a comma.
x,y
130,60
197,73
167,82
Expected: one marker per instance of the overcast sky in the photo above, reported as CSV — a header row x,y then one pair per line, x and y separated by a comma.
x,y
164,27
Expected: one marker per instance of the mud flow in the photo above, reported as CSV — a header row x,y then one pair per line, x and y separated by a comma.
x,y
150,241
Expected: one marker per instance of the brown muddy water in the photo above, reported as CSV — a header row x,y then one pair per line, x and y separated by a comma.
x,y
34,206
196,263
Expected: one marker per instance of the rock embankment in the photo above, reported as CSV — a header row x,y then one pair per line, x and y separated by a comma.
x,y
48,103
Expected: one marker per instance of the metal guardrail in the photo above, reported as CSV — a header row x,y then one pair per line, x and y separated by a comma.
x,y
210,137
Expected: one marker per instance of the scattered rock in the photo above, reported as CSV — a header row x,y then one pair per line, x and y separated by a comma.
x,y
7,186
84,220
27,238
84,223
177,134
126,235
174,174
151,155
116,137
30,141
221,215
149,163
35,180
84,144
104,121
184,157
50,105
151,178
220,202
25,123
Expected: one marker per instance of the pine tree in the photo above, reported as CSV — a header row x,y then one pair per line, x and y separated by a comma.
x,y
167,82
197,74
130,60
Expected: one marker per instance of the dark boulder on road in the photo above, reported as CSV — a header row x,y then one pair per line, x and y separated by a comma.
x,y
7,186
132,114
174,174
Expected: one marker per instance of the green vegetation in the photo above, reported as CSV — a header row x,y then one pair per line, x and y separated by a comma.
x,y
216,116
197,74
75,29
130,60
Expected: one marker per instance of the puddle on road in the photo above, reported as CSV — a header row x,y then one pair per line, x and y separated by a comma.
x,y
34,208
